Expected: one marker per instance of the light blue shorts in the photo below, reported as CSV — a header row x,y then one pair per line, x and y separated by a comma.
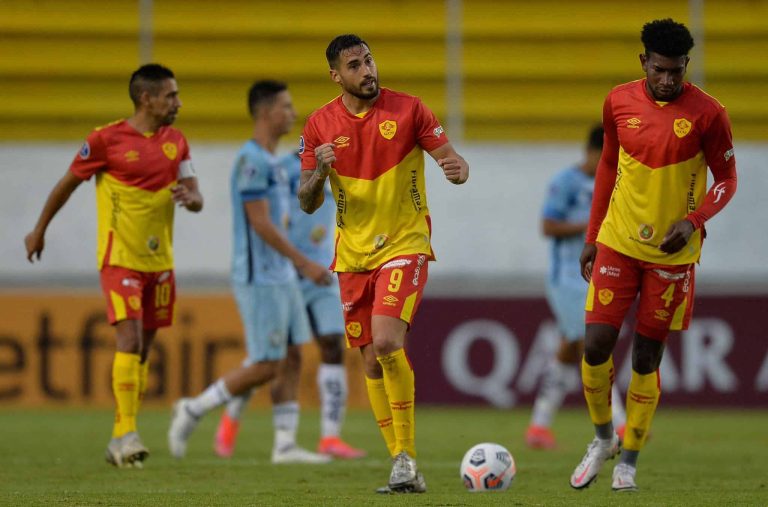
x,y
323,305
566,301
273,317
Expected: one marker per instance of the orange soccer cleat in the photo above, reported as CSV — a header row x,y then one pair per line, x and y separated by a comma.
x,y
336,447
540,437
226,436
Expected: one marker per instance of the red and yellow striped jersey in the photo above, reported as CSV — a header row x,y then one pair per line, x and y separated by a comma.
x,y
653,171
378,177
134,173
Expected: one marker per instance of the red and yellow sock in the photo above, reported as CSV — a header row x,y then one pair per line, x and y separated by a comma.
x,y
125,386
399,382
377,394
598,381
642,399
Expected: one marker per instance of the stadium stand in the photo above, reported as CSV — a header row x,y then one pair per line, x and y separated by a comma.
x,y
533,70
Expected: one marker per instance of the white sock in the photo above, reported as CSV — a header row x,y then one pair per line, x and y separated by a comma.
x,y
237,404
285,419
332,383
617,407
551,393
214,396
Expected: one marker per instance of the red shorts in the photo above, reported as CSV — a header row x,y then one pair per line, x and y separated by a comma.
x,y
394,289
666,293
135,295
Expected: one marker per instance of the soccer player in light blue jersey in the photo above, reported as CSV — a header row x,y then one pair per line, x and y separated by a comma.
x,y
265,284
564,221
313,236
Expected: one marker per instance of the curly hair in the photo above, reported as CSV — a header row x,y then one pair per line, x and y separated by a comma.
x,y
667,38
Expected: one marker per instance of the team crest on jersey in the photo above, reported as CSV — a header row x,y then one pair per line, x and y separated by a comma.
x,y
379,241
388,128
153,243
682,127
317,234
355,329
170,150
131,156
645,232
605,296
85,151
134,302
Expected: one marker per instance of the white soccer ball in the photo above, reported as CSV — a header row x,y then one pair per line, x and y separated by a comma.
x,y
487,467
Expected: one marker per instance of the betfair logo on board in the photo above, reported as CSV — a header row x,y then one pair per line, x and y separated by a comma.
x,y
682,127
170,150
388,128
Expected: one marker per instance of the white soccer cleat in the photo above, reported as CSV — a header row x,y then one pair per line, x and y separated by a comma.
x,y
295,454
624,478
133,450
114,455
404,474
598,452
182,425
418,485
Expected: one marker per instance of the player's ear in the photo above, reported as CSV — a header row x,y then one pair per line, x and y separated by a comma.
x,y
643,61
335,76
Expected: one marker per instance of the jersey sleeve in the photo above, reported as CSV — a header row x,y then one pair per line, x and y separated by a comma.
x,y
429,133
91,158
556,203
308,141
252,178
718,151
605,177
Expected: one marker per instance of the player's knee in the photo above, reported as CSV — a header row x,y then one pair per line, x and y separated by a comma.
x,y
646,355
293,358
570,352
599,342
372,367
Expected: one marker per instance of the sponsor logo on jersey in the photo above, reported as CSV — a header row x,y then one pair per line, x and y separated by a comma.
x,y
170,150
605,296
85,151
134,302
346,306
661,315
131,282
682,127
672,277
728,154
388,128
131,156
161,313
355,329
719,190
611,271
645,232
341,142
633,123
164,276
153,243
419,263
390,300
438,131
301,145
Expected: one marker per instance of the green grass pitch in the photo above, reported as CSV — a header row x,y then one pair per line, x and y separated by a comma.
x,y
695,457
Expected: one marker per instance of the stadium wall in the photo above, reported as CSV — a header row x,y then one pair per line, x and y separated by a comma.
x,y
486,233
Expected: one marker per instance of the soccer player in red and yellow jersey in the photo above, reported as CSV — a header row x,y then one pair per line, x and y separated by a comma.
x,y
370,141
142,168
645,234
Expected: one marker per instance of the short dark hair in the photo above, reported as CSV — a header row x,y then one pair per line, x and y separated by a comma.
x,y
595,139
147,78
263,92
667,38
341,43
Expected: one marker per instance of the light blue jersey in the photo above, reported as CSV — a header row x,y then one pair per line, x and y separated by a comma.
x,y
257,174
314,235
569,199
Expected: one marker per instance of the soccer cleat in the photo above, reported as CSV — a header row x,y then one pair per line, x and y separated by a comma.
x,y
624,478
226,436
113,454
182,425
296,454
133,450
540,437
337,448
419,485
597,453
403,473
